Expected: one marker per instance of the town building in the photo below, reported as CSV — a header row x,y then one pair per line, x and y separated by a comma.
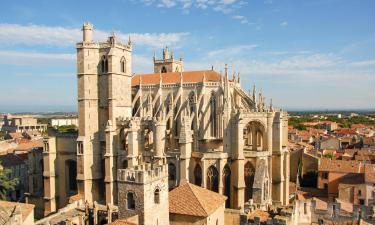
x,y
21,124
64,121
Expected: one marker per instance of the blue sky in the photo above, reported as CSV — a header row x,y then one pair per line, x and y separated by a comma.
x,y
303,54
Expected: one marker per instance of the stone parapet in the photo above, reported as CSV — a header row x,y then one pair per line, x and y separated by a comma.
x,y
142,173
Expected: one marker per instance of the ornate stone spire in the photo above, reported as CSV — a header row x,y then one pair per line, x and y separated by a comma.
x,y
271,106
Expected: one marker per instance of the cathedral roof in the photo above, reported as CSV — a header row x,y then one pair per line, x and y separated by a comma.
x,y
189,199
174,77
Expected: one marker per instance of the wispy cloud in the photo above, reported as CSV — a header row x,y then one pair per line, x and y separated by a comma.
x,y
35,58
12,34
231,51
242,19
284,24
364,63
223,6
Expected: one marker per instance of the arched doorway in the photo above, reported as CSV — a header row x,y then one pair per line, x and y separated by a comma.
x,y
227,184
249,173
198,175
213,179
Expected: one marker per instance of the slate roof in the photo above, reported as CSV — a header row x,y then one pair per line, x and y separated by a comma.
x,y
189,199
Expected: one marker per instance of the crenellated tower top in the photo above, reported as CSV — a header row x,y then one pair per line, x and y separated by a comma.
x,y
143,173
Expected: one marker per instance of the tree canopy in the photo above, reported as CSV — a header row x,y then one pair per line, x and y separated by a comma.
x,y
6,184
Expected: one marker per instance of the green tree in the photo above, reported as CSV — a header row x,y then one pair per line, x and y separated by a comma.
x,y
328,155
6,184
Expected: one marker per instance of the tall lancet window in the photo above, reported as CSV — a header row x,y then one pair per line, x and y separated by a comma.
x,y
123,65
213,115
102,64
191,103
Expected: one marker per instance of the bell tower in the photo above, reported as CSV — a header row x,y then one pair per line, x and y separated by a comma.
x,y
104,87
168,63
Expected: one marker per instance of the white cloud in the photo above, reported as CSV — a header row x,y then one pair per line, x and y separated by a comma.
x,y
230,51
167,3
12,34
364,63
35,58
223,6
284,24
242,19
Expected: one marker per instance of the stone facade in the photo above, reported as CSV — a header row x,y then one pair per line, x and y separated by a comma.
x,y
210,131
59,170
143,191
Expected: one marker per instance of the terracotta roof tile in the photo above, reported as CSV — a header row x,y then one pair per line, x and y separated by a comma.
x,y
121,222
346,131
189,199
340,166
263,215
370,173
174,77
26,208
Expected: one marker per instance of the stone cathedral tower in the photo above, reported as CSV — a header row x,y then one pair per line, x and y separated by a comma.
x,y
104,78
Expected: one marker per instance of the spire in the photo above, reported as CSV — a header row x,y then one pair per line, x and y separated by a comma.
x,y
271,106
226,71
129,40
254,93
154,56
238,77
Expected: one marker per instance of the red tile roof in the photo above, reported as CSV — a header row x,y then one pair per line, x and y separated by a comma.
x,y
346,131
370,173
357,126
174,77
263,215
340,166
189,199
26,208
121,222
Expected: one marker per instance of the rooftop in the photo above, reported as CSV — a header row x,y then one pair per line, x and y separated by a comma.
x,y
189,199
26,209
340,166
175,77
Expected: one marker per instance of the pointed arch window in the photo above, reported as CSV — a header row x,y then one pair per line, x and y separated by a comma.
x,y
213,179
123,65
163,69
249,173
213,116
157,196
104,65
198,175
